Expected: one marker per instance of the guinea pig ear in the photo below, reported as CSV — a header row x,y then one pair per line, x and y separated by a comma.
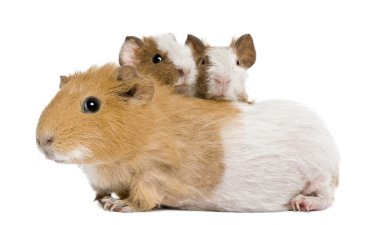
x,y
126,72
127,54
172,36
245,50
140,90
64,80
196,45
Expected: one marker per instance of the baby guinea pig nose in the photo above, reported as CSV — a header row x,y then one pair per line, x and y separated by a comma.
x,y
223,82
184,71
180,71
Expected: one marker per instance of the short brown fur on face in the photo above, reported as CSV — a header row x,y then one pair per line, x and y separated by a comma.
x,y
165,149
196,45
141,58
199,51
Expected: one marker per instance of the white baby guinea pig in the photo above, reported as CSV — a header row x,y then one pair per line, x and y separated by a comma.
x,y
154,148
162,58
222,71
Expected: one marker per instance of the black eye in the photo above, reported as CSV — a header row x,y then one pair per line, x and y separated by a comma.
x,y
91,105
157,58
237,62
203,62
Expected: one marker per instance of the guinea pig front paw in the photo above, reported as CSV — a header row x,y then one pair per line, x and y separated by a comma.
x,y
115,205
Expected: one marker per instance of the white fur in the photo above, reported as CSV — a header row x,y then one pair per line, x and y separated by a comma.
x,y
273,150
91,173
180,55
77,154
223,67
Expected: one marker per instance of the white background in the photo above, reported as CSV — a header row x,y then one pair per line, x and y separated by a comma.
x,y
325,54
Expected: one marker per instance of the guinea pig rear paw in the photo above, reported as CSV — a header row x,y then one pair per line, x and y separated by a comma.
x,y
303,203
115,205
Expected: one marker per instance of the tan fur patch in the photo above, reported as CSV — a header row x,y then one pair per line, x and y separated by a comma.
x,y
335,181
163,152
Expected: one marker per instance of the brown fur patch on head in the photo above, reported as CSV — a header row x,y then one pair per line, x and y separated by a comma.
x,y
245,50
139,53
199,51
203,64
196,45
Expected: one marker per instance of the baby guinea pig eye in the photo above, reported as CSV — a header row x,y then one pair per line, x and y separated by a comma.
x,y
91,105
238,62
157,58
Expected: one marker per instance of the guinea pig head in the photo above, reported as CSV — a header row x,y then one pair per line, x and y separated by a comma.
x,y
96,117
161,57
222,70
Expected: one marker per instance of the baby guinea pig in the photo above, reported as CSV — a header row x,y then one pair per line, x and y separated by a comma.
x,y
163,58
222,71
135,138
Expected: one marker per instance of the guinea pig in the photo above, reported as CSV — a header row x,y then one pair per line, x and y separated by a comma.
x,y
222,71
162,58
135,138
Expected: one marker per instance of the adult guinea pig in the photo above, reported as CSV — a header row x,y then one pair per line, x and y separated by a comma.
x,y
155,148
163,58
222,71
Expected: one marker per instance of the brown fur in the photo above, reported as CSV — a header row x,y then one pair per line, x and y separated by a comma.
x,y
159,149
144,50
202,79
245,50
199,51
197,46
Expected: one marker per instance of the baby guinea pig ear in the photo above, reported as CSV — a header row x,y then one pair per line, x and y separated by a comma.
x,y
172,36
127,54
245,50
138,89
64,80
196,45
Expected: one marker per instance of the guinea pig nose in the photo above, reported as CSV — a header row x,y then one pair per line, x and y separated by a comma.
x,y
45,140
221,81
186,71
180,71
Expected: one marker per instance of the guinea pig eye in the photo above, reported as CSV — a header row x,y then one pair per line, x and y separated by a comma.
x,y
203,62
91,105
238,62
157,58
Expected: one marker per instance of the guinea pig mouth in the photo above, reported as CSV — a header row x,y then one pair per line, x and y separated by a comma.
x,y
180,85
220,97
49,154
